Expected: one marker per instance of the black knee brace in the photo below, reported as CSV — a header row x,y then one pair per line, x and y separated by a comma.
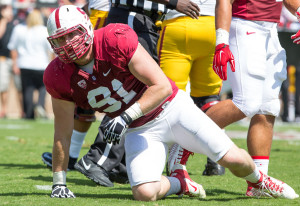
x,y
85,115
204,103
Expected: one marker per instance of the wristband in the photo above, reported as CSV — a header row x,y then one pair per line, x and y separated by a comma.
x,y
53,186
132,113
59,178
298,14
172,4
222,36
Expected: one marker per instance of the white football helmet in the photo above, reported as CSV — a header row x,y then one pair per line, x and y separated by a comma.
x,y
65,21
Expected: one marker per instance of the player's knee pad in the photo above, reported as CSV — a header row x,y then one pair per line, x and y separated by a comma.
x,y
204,103
85,115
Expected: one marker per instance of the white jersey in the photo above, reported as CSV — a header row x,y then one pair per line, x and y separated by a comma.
x,y
207,8
102,5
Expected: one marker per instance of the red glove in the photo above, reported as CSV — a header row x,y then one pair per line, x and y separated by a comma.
x,y
296,37
222,56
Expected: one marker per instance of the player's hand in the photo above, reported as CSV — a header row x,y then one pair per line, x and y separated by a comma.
x,y
222,56
296,37
113,129
189,8
61,191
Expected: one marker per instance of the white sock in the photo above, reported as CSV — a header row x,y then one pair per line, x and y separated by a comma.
x,y
76,143
254,176
175,186
262,163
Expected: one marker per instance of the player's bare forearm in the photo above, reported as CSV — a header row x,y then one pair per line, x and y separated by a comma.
x,y
292,5
63,126
145,69
186,7
60,155
223,14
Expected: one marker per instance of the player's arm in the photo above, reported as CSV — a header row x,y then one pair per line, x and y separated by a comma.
x,y
223,13
145,69
186,7
222,53
294,7
63,127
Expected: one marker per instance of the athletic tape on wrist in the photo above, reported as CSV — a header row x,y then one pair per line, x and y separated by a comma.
x,y
59,178
298,14
222,36
134,112
172,4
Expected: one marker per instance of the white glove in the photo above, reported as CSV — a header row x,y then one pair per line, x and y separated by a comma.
x,y
114,129
61,191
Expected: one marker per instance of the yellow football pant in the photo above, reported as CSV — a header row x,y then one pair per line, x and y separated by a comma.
x,y
98,18
185,50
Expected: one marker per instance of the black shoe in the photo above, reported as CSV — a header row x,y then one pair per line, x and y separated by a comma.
x,y
47,159
212,168
118,177
93,172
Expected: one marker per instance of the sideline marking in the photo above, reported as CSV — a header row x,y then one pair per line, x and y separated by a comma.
x,y
44,187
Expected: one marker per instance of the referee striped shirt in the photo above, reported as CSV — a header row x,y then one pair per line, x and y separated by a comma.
x,y
143,4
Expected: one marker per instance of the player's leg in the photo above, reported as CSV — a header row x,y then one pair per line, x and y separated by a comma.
x,y
101,160
176,63
83,120
145,159
145,163
260,133
205,89
198,130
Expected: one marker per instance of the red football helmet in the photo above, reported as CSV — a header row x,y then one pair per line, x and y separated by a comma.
x,y
70,32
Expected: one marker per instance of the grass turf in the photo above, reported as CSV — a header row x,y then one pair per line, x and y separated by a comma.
x,y
23,175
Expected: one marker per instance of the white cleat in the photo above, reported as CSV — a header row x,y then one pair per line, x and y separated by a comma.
x,y
273,187
188,186
177,155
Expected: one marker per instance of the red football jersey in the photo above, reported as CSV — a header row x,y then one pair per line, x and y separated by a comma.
x,y
111,88
257,10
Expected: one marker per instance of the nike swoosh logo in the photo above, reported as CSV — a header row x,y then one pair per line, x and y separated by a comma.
x,y
189,182
105,74
193,187
248,33
87,167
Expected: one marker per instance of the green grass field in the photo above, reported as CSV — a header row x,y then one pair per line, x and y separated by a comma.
x,y
22,172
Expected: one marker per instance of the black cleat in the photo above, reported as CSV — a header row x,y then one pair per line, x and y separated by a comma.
x,y
94,172
118,177
212,168
47,159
